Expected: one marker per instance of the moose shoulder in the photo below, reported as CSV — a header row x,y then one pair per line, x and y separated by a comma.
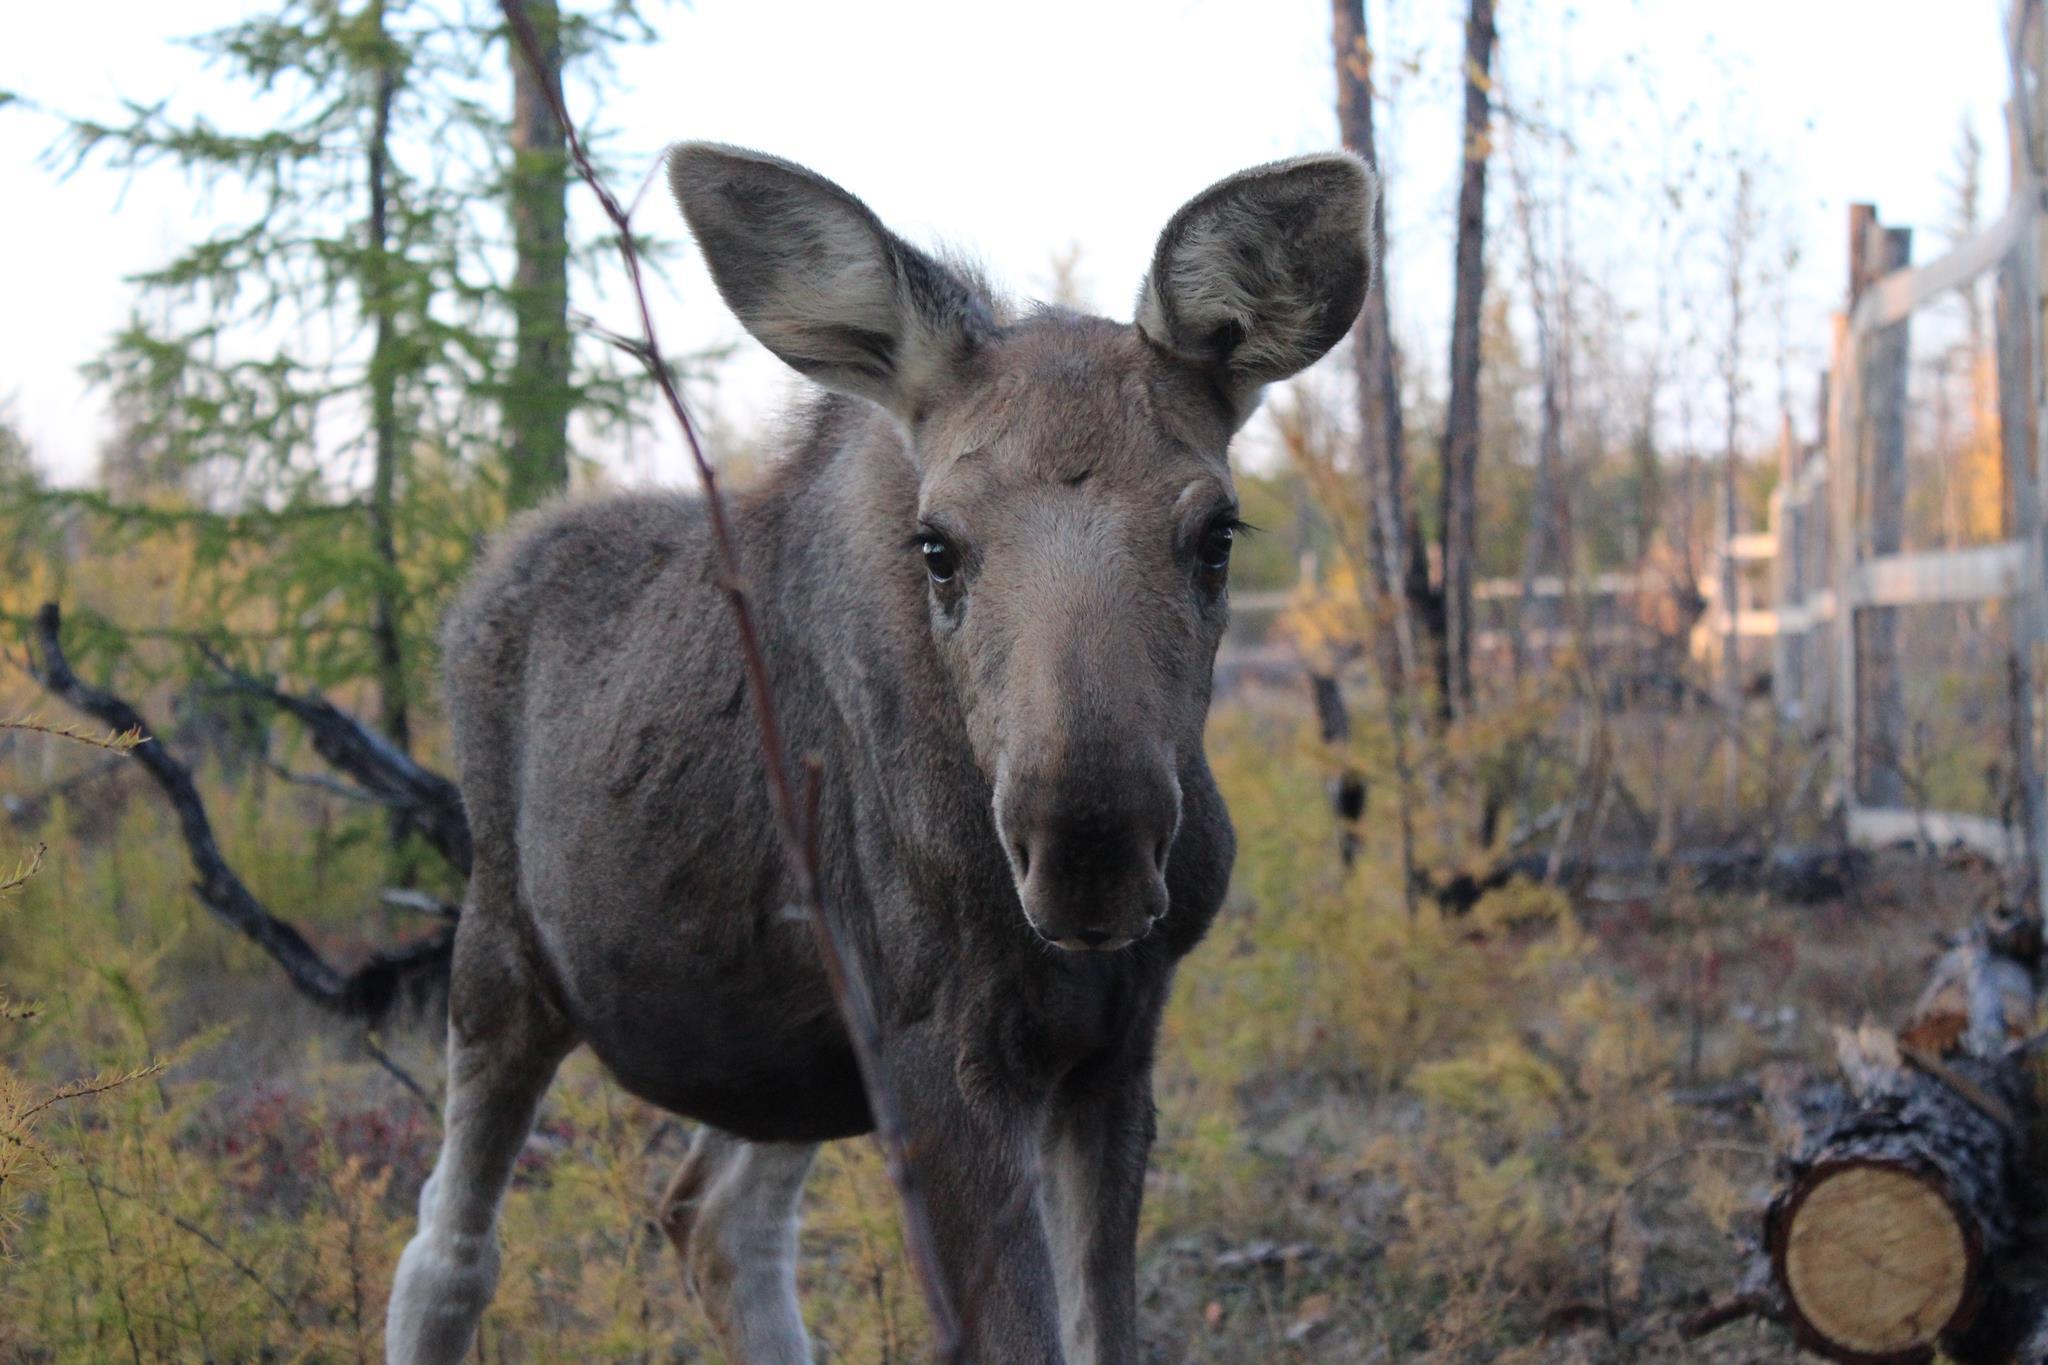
x,y
991,577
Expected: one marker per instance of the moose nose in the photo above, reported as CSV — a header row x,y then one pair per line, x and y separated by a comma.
x,y
1088,847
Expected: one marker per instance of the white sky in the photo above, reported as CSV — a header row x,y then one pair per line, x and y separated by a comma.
x,y
1013,130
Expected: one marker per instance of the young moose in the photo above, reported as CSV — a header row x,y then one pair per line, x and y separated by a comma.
x,y
991,582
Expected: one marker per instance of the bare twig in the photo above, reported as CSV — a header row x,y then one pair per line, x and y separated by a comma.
x,y
1720,1313
399,1073
204,1237
332,786
798,831
1663,1163
421,902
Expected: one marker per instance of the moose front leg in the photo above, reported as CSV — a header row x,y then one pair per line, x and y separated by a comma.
x,y
1098,1135
976,1168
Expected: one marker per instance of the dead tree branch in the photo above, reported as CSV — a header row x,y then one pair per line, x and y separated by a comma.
x,y
365,994
386,774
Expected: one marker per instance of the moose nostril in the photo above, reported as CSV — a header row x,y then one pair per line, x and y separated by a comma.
x,y
1159,854
1020,853
1094,938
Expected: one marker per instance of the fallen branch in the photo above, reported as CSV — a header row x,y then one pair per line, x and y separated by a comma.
x,y
366,994
1801,874
386,774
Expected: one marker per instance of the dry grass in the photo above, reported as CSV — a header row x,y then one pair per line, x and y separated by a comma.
x,y
1382,1138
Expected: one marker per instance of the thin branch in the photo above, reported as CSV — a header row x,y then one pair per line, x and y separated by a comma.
x,y
119,743
405,898
206,1238
1669,1159
23,870
332,786
798,834
399,1073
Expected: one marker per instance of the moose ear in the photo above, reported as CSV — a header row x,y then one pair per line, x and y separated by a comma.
x,y
818,280
1259,275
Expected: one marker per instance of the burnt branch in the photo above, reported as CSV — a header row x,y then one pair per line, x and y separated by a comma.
x,y
365,994
797,831
386,774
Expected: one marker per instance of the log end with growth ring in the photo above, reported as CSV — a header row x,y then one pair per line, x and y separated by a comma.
x,y
1877,1261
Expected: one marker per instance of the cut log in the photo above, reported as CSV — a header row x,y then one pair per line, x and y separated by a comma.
x,y
1902,1194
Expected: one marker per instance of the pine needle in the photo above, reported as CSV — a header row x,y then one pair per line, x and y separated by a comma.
x,y
23,870
113,742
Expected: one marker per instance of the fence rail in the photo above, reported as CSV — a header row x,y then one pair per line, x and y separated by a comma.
x,y
1844,581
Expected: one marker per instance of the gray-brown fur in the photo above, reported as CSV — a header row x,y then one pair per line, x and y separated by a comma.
x,y
1013,764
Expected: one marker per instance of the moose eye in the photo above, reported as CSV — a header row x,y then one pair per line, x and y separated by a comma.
x,y
1214,555
939,560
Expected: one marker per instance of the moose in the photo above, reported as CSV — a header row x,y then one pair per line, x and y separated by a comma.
x,y
990,576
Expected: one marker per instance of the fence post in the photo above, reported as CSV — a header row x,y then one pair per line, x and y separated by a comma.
x,y
1815,573
1882,710
2016,330
1844,419
1784,525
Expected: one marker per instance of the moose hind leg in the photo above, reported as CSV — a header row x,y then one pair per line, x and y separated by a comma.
x,y
503,1047
731,1213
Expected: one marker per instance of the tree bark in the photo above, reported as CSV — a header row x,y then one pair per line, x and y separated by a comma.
x,y
1381,438
386,641
1401,579
1902,1189
539,397
1461,425
370,992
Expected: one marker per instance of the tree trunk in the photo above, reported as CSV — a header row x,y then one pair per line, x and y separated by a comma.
x,y
394,708
1381,438
1541,540
1403,594
1461,426
539,396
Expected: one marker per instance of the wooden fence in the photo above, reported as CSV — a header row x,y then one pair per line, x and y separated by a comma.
x,y
1844,575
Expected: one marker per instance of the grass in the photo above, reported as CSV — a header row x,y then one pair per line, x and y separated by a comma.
x,y
1382,1137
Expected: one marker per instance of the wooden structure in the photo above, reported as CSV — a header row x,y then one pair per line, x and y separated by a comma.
x,y
1902,1189
1843,576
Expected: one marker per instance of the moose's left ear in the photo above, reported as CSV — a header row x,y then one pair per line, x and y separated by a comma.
x,y
1259,275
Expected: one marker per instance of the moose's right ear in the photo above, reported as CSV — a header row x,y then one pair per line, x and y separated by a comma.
x,y
818,280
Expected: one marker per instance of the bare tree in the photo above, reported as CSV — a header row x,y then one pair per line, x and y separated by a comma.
x,y
1461,423
1736,241
1381,437
1543,539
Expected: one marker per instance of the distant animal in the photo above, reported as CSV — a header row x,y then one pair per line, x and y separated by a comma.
x,y
991,575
